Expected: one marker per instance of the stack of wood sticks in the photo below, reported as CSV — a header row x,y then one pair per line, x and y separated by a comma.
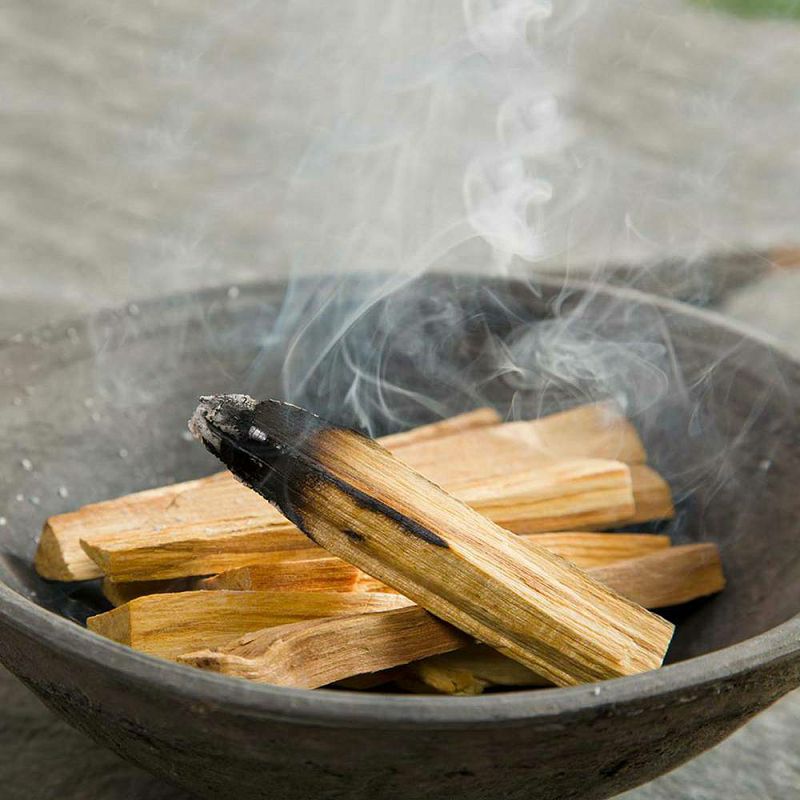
x,y
461,556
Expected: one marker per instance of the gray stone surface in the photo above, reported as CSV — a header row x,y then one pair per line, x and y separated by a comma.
x,y
146,148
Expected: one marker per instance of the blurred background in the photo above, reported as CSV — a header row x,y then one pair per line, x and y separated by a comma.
x,y
165,146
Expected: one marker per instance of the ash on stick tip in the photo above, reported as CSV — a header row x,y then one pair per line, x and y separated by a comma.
x,y
218,412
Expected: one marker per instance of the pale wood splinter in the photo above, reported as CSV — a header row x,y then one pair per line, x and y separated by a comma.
x,y
169,624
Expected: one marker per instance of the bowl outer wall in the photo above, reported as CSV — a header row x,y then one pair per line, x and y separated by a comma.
x,y
86,677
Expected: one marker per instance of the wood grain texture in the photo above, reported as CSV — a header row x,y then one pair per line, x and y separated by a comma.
x,y
667,578
315,653
327,573
590,431
169,624
652,495
469,420
357,500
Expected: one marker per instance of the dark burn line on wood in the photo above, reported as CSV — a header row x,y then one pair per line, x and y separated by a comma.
x,y
371,503
282,464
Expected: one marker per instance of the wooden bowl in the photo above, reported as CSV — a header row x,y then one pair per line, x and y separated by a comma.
x,y
102,404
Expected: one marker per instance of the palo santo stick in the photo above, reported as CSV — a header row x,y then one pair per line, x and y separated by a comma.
x,y
289,570
667,577
192,549
318,570
321,651
327,574
358,501
564,495
60,556
591,431
479,418
587,550
557,495
169,513
169,624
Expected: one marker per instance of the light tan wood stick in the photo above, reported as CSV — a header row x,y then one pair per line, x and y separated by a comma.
x,y
666,577
319,652
326,573
592,431
169,624
564,495
213,505
468,421
321,571
587,550
555,496
353,497
288,570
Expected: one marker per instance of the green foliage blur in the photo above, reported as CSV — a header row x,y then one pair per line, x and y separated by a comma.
x,y
786,9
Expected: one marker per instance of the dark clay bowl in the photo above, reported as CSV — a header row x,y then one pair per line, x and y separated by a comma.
x,y
99,408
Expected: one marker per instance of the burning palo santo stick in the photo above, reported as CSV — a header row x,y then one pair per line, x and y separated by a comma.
x,y
556,496
179,521
355,499
320,571
61,557
287,656
169,624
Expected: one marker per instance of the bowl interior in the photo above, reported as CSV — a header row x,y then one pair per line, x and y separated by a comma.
x,y
98,409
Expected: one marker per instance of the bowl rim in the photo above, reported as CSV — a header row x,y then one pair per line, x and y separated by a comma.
x,y
679,682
